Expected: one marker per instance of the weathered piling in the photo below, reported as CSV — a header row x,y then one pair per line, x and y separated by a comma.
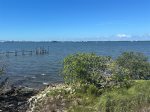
x,y
37,51
7,54
31,52
23,52
16,53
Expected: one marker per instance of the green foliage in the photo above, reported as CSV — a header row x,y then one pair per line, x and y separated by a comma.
x,y
89,69
119,77
86,69
73,102
93,90
89,73
87,103
84,102
136,63
133,99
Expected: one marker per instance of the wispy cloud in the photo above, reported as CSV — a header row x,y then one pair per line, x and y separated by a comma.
x,y
122,36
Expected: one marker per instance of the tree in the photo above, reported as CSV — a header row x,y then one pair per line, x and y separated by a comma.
x,y
136,63
86,68
102,72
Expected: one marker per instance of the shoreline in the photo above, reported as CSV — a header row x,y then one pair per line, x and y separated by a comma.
x,y
15,99
18,99
36,100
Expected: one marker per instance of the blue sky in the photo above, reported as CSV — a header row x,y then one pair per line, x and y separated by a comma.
x,y
74,20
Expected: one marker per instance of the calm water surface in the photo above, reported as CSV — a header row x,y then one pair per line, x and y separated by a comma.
x,y
36,70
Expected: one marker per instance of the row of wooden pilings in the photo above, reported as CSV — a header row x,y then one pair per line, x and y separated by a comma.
x,y
37,51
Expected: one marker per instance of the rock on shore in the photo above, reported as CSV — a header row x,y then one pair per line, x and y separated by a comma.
x,y
15,99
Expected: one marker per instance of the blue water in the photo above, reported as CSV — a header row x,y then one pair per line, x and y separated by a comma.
x,y
36,70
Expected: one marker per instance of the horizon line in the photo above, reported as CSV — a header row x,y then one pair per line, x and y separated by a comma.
x,y
3,41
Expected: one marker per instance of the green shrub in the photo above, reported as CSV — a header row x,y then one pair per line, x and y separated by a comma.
x,y
111,82
89,69
136,63
120,76
93,90
86,69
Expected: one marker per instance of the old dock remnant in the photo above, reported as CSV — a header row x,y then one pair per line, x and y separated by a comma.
x,y
36,51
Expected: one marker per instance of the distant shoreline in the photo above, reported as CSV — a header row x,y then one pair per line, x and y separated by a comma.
x,y
1,41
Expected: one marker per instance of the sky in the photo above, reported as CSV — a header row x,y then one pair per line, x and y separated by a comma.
x,y
74,20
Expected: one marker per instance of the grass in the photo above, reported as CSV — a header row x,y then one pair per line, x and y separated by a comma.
x,y
78,101
84,103
134,99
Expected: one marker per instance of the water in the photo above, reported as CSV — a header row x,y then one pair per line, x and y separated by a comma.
x,y
37,70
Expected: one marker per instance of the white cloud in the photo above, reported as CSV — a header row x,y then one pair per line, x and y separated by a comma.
x,y
123,36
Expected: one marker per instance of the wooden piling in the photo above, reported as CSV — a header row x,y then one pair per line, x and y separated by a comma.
x,y
30,52
37,51
16,53
23,52
7,54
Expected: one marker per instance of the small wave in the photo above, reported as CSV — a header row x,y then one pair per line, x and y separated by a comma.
x,y
43,74
33,77
45,83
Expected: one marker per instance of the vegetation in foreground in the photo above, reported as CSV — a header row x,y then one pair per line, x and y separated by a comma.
x,y
99,84
134,99
65,99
